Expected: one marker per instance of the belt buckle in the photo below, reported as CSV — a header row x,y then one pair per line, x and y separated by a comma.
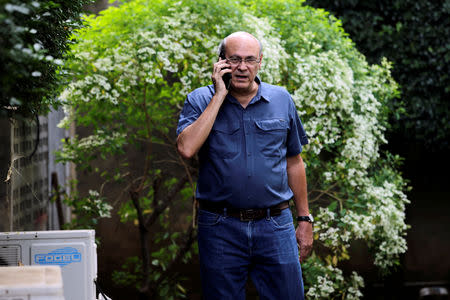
x,y
247,215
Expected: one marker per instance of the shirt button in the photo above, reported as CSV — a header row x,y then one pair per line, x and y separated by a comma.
x,y
249,154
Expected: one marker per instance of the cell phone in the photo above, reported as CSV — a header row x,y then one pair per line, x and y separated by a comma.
x,y
227,76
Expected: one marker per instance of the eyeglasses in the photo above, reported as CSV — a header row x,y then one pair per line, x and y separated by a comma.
x,y
250,61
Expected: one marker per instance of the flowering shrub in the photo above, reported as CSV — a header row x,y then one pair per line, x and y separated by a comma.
x,y
404,32
134,65
34,36
330,281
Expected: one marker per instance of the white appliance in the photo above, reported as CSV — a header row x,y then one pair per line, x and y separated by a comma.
x,y
74,251
31,283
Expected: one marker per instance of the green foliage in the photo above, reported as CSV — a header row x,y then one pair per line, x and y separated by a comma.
x,y
326,279
131,71
415,35
86,211
34,36
130,274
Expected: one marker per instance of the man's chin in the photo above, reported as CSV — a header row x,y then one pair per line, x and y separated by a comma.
x,y
241,85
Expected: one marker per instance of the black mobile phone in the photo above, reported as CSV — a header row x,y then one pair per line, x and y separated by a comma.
x,y
227,76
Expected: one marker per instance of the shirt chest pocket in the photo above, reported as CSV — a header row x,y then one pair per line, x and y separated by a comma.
x,y
224,140
271,136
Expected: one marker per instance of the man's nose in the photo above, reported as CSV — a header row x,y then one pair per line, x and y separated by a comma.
x,y
242,66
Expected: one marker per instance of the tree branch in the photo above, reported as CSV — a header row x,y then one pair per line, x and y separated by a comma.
x,y
149,136
161,206
341,201
143,236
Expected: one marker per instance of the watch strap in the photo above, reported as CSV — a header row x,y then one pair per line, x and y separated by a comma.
x,y
305,219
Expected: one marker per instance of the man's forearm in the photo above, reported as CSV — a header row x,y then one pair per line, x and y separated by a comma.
x,y
297,182
191,139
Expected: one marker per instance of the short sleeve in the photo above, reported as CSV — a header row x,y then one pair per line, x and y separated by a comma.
x,y
188,116
297,135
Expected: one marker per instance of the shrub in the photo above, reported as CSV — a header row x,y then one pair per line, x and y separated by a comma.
x,y
415,35
34,36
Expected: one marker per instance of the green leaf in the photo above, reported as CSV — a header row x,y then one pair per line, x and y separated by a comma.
x,y
333,206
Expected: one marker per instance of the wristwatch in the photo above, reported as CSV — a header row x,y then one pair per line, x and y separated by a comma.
x,y
309,218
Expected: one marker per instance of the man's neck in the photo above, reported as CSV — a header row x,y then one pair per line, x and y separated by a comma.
x,y
245,96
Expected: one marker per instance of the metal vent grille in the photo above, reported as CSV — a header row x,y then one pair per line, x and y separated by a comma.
x,y
10,255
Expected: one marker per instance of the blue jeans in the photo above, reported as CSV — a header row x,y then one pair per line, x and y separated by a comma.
x,y
231,250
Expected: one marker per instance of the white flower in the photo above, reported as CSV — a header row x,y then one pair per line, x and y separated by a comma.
x,y
19,8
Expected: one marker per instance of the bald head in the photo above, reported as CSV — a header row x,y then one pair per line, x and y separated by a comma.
x,y
241,35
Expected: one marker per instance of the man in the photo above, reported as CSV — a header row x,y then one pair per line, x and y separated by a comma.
x,y
249,140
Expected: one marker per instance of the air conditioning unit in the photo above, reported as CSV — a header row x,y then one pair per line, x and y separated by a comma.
x,y
74,251
31,283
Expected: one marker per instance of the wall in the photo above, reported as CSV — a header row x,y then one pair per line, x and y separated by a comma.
x,y
5,150
25,186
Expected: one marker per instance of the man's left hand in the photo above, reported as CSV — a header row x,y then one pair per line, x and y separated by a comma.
x,y
304,235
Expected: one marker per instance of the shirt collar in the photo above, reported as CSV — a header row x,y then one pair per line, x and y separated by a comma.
x,y
262,90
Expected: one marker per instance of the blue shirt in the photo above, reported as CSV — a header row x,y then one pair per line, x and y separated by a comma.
x,y
243,160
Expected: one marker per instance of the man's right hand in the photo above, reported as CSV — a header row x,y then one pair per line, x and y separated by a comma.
x,y
220,68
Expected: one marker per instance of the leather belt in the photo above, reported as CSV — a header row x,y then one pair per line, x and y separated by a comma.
x,y
244,215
